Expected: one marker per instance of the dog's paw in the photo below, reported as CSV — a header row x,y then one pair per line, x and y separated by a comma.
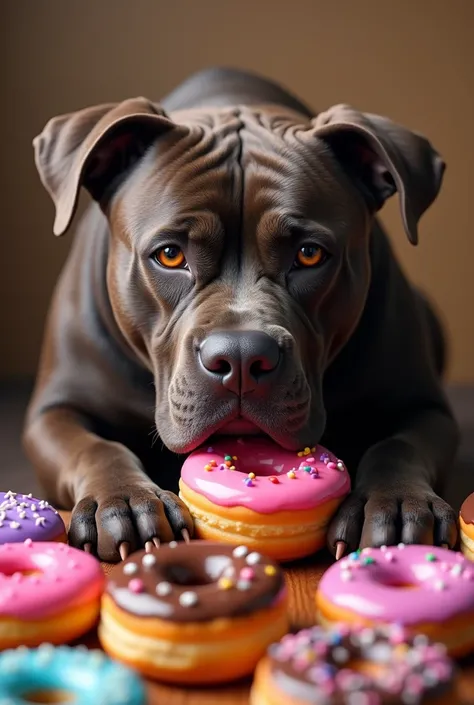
x,y
114,524
388,517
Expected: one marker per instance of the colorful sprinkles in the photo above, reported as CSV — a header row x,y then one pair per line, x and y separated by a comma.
x,y
232,576
307,466
225,583
306,451
240,551
188,599
253,558
317,662
164,589
148,560
361,558
136,585
130,568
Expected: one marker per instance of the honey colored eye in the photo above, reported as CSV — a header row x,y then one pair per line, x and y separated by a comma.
x,y
171,257
310,256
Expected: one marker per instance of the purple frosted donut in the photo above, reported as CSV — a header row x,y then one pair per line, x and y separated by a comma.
x,y
25,517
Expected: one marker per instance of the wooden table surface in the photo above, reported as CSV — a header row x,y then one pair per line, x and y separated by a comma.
x,y
302,579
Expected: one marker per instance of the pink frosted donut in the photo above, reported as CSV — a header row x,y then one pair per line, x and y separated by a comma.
x,y
254,492
428,590
49,592
23,516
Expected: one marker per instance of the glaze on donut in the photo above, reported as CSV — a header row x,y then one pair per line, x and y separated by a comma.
x,y
83,676
48,592
160,608
428,589
251,490
359,666
25,517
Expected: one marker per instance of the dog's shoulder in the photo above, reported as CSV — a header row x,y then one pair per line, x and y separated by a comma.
x,y
91,366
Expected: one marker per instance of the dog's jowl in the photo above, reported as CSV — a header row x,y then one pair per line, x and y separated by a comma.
x,y
230,277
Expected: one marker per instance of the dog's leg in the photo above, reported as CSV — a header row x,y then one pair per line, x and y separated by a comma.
x,y
117,508
394,425
393,498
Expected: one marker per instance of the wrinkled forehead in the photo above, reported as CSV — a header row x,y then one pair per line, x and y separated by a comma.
x,y
251,169
292,176
187,182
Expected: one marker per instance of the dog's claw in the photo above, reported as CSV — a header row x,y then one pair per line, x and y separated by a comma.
x,y
185,535
156,541
87,548
149,546
340,549
124,550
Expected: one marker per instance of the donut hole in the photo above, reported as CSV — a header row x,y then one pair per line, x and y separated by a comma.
x,y
186,576
365,668
399,584
12,567
49,697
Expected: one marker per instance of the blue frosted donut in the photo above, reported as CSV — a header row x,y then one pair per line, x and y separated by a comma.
x,y
87,676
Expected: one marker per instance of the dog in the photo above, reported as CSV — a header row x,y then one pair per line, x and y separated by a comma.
x,y
230,276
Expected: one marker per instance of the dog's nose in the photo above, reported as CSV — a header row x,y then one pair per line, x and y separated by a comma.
x,y
240,360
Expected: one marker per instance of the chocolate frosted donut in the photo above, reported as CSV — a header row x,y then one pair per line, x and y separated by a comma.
x,y
343,666
466,525
185,596
195,582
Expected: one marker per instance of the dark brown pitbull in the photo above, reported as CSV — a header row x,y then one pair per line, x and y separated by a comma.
x,y
231,278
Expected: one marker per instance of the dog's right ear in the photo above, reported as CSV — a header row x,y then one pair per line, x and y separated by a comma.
x,y
94,148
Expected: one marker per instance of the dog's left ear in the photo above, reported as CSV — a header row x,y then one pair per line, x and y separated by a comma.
x,y
383,158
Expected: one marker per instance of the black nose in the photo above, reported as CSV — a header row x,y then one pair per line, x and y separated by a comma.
x,y
240,360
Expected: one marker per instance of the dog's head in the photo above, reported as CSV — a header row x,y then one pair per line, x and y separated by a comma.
x,y
239,250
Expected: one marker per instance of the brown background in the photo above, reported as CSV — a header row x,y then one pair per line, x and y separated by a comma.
x,y
412,60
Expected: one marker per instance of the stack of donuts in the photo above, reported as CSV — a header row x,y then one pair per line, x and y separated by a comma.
x,y
388,621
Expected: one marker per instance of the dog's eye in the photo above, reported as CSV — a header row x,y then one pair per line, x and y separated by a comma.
x,y
310,256
171,257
